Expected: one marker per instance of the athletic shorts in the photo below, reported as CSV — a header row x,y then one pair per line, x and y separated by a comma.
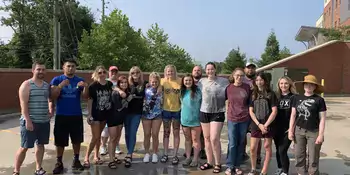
x,y
211,117
68,126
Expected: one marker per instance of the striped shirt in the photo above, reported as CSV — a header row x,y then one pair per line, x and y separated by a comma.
x,y
38,105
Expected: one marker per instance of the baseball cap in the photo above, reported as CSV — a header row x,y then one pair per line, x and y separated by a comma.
x,y
113,68
250,64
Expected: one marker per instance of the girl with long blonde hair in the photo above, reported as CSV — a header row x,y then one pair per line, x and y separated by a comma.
x,y
152,117
285,93
171,111
99,108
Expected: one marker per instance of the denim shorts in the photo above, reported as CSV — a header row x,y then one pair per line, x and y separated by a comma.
x,y
40,135
168,115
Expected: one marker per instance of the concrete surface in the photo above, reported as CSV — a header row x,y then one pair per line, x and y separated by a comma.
x,y
335,158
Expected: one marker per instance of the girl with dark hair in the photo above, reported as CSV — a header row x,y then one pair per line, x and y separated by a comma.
x,y
212,115
263,110
238,97
116,121
191,99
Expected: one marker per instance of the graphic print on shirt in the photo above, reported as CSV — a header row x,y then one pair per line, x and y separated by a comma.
x,y
69,91
103,100
302,108
284,104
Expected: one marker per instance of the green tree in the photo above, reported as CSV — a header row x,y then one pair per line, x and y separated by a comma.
x,y
163,52
233,60
31,21
272,51
285,52
114,42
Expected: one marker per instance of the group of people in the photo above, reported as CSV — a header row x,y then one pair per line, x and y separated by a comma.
x,y
198,105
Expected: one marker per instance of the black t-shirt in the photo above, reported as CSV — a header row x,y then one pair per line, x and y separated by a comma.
x,y
283,114
120,105
262,107
101,99
136,102
308,110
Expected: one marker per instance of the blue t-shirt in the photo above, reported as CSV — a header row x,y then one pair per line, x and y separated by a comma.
x,y
68,103
190,108
152,106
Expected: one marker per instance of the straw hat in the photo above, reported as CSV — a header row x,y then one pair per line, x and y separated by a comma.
x,y
313,80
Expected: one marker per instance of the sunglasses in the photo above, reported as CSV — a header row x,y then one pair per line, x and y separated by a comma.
x,y
103,72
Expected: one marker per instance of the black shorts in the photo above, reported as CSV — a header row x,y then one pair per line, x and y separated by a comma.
x,y
116,119
211,117
68,126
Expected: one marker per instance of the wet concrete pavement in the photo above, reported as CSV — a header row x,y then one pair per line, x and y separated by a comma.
x,y
335,158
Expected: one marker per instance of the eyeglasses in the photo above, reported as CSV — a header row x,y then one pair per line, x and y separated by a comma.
x,y
103,72
238,75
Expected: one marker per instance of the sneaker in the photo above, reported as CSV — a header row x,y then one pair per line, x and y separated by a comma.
x,y
283,173
146,158
154,158
278,172
76,165
103,150
117,150
58,168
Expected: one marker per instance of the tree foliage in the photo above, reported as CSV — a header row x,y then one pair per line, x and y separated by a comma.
x,y
113,42
32,23
233,60
272,51
285,52
341,33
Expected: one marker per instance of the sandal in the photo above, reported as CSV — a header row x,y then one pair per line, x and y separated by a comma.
x,y
228,171
252,172
194,164
41,171
175,160
86,164
217,169
187,162
206,166
98,161
164,159
127,161
15,173
238,171
117,161
112,165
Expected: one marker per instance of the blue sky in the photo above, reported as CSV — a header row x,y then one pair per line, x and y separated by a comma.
x,y
209,29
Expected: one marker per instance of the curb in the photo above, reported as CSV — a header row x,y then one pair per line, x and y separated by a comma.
x,y
9,116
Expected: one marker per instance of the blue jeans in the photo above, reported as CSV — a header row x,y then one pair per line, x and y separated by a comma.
x,y
236,136
131,126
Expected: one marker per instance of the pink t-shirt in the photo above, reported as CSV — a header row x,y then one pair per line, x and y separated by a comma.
x,y
238,98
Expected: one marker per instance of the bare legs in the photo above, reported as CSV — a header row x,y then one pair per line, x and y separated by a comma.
x,y
211,132
96,130
254,144
192,139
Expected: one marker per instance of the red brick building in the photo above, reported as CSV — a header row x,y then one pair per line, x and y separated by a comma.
x,y
329,61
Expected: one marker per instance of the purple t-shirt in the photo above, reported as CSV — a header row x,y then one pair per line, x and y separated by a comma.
x,y
238,98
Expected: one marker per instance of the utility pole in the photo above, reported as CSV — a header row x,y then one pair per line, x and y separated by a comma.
x,y
103,9
56,32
